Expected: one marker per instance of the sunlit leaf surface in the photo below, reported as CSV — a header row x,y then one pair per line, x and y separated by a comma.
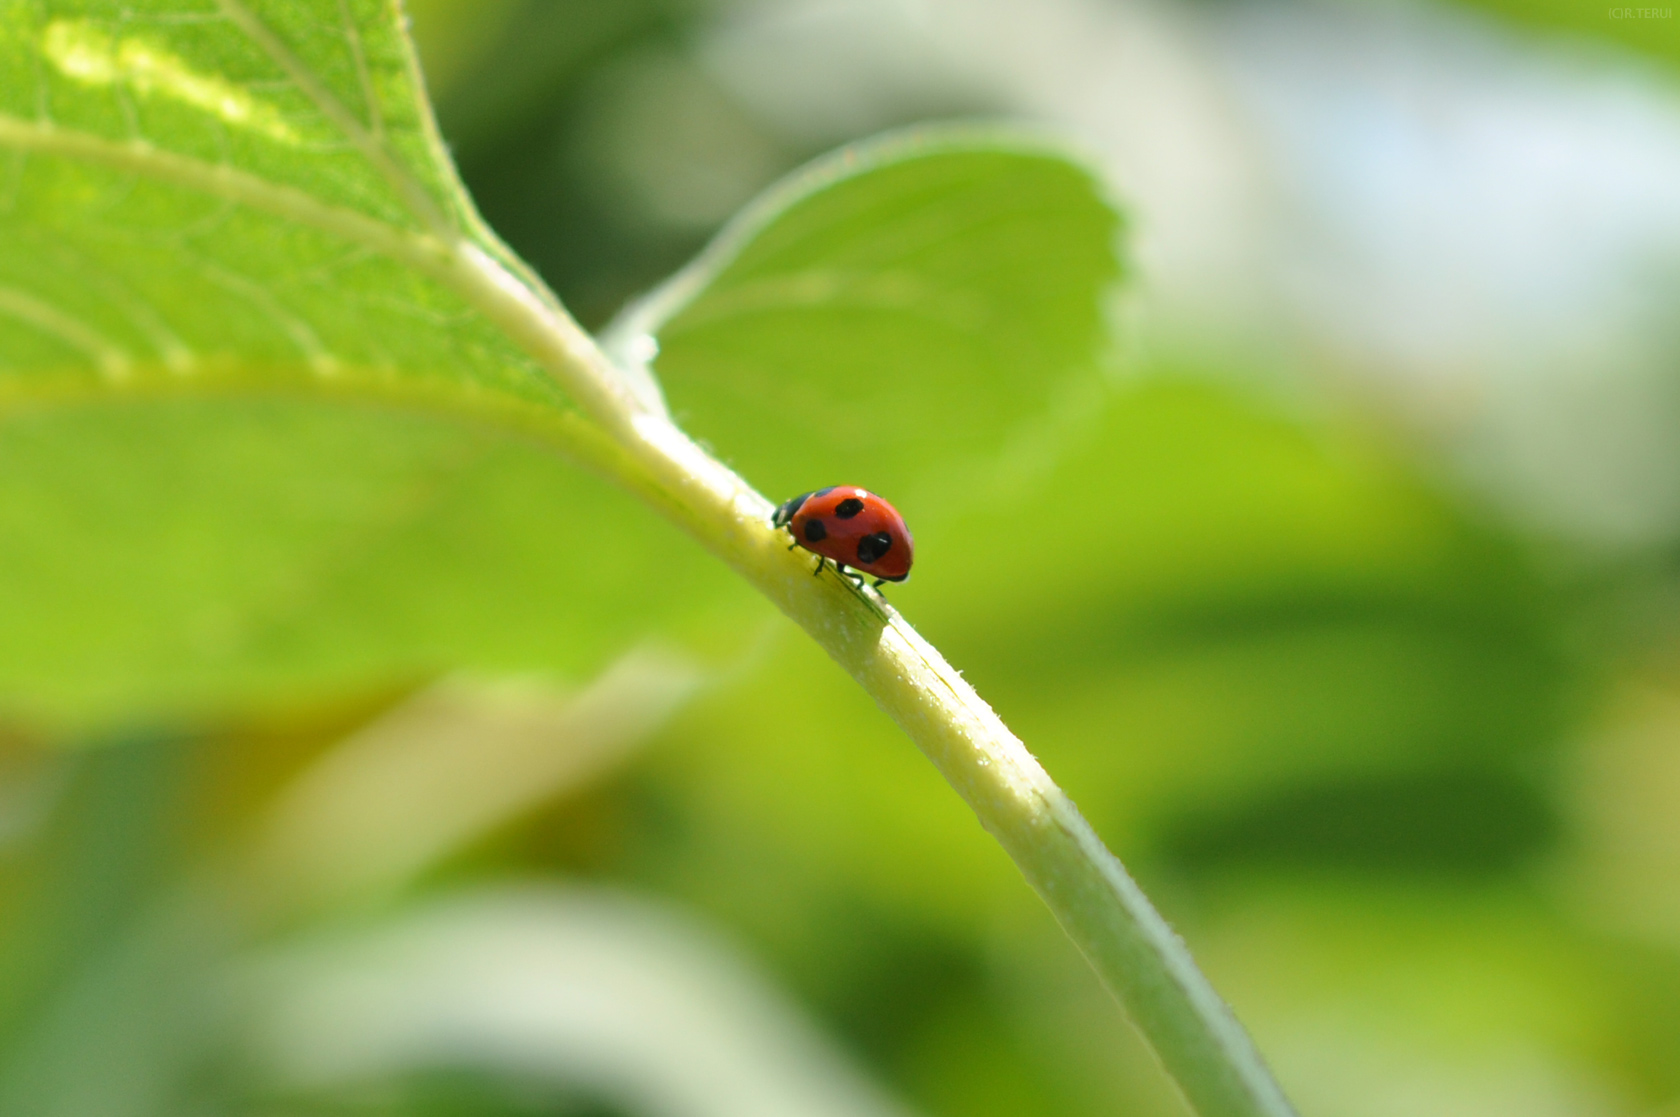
x,y
902,310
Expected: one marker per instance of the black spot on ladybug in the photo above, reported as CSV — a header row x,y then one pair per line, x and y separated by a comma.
x,y
787,511
815,532
848,508
872,547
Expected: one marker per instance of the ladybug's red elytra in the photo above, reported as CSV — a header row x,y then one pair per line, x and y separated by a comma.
x,y
852,527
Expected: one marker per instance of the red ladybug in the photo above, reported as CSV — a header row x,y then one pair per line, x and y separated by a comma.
x,y
853,527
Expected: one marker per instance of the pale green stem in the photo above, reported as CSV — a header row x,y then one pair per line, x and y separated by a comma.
x,y
1102,910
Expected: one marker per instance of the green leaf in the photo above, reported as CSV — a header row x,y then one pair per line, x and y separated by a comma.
x,y
898,311
229,192
227,326
1646,29
177,557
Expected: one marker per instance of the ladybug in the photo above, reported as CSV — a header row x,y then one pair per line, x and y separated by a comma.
x,y
851,527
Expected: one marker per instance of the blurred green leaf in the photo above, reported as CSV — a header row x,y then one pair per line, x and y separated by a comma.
x,y
167,557
891,315
1646,28
160,555
1225,600
1424,998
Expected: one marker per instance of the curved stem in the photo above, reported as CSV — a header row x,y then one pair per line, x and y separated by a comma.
x,y
1102,910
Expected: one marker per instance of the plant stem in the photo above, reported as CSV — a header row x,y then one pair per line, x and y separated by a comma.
x,y
1103,911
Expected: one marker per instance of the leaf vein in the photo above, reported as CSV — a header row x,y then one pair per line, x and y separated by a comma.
x,y
371,145
110,358
376,118
221,180
294,326
145,317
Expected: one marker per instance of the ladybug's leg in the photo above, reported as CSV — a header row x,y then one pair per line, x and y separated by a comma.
x,y
820,563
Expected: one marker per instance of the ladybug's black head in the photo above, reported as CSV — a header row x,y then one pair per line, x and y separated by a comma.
x,y
788,510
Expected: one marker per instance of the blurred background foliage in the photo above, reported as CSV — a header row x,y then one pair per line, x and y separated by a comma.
x,y
1343,600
